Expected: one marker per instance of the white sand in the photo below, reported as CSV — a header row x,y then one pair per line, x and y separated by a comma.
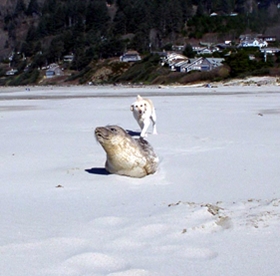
x,y
213,207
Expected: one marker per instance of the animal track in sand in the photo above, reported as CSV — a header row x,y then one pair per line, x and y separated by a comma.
x,y
206,217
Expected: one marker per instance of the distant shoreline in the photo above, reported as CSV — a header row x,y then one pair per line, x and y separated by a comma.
x,y
252,85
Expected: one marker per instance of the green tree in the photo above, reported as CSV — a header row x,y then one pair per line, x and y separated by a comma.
x,y
59,17
224,6
12,30
68,40
200,9
187,9
188,51
33,7
277,55
20,7
239,63
39,61
140,42
97,17
119,24
174,16
31,34
81,59
76,12
56,49
49,6
42,29
240,6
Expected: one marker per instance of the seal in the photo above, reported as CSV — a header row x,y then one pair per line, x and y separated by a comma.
x,y
126,155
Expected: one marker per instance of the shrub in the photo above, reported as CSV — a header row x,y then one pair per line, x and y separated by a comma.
x,y
25,78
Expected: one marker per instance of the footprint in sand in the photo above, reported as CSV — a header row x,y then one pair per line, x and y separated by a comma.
x,y
94,262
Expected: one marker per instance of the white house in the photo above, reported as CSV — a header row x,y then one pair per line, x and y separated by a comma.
x,y
130,56
54,70
253,43
68,58
199,64
270,50
178,47
172,58
11,72
178,65
204,50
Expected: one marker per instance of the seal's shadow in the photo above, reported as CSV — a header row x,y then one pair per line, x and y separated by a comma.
x,y
100,171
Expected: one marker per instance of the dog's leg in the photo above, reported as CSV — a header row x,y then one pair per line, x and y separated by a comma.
x,y
145,128
154,119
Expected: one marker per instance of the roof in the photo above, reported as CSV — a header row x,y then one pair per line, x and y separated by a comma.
x,y
198,62
215,61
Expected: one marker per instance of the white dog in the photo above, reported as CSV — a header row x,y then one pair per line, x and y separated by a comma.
x,y
144,111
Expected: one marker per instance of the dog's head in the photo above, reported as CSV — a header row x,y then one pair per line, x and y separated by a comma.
x,y
139,106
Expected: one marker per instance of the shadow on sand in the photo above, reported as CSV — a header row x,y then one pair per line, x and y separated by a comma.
x,y
100,171
133,133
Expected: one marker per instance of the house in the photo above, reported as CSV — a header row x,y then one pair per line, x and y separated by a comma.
x,y
222,46
249,40
214,62
267,38
270,50
247,37
130,56
54,70
204,50
176,67
68,58
199,64
252,57
179,48
253,43
11,72
172,58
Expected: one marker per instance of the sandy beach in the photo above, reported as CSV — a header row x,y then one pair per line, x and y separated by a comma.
x,y
212,208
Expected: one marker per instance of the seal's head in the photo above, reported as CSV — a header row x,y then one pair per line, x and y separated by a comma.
x,y
125,155
109,136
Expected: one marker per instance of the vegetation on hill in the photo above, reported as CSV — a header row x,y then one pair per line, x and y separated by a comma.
x,y
40,32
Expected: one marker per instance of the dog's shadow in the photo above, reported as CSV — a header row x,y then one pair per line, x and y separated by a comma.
x,y
100,171
133,133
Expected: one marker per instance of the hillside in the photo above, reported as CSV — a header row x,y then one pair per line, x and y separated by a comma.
x,y
36,33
